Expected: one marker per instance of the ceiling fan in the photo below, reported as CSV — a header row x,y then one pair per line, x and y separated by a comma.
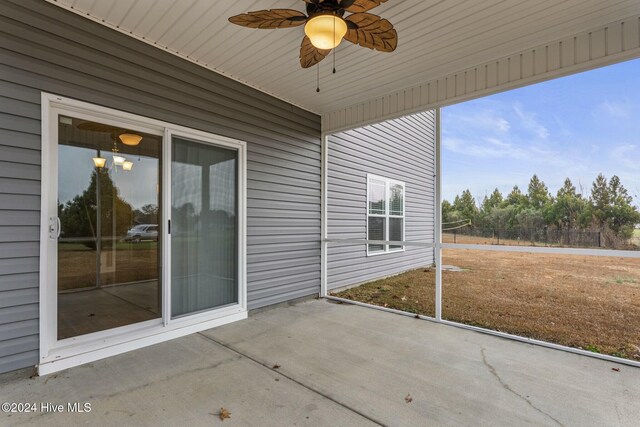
x,y
325,26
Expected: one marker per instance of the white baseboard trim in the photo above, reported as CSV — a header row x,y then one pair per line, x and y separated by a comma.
x,y
147,337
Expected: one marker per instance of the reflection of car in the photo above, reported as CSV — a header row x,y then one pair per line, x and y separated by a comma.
x,y
142,232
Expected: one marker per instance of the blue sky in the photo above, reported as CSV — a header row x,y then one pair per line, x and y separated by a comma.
x,y
575,126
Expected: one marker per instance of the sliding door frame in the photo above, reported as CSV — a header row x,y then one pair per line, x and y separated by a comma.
x,y
215,141
57,354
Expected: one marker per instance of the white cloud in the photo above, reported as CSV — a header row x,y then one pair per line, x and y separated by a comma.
x,y
529,121
490,147
486,120
627,155
616,109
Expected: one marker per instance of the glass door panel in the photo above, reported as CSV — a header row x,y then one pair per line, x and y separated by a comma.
x,y
108,207
204,227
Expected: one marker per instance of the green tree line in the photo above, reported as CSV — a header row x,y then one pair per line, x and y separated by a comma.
x,y
607,209
79,217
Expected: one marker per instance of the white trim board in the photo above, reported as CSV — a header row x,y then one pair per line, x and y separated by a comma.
x,y
56,355
605,45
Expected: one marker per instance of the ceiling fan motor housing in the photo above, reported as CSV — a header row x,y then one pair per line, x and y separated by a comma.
x,y
333,7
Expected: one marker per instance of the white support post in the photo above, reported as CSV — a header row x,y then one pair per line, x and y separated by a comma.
x,y
438,222
323,215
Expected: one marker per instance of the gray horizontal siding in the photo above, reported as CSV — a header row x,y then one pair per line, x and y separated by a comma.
x,y
401,149
44,48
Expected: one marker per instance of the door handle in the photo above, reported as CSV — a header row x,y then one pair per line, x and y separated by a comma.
x,y
55,227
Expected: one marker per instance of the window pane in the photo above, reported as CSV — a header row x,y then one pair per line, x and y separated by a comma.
x,y
395,231
108,259
377,197
204,228
396,199
376,232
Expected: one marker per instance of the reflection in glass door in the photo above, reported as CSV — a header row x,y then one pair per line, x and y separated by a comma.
x,y
109,210
204,227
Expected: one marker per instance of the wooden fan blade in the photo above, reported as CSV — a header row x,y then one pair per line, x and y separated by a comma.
x,y
359,6
269,19
311,55
371,31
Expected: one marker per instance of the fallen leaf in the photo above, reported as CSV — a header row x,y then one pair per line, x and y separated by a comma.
x,y
615,369
408,399
417,316
224,414
403,298
276,366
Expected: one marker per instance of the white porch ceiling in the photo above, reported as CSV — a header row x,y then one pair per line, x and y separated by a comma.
x,y
436,38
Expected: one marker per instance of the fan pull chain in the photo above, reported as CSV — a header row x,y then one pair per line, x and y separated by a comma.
x,y
335,48
318,78
334,59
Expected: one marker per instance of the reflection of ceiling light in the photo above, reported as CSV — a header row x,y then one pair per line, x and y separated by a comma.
x,y
127,165
130,139
118,160
99,162
325,31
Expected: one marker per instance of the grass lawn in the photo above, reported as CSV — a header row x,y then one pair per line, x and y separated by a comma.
x,y
586,302
133,262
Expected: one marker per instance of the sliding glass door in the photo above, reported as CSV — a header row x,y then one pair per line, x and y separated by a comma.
x,y
108,243
143,232
204,226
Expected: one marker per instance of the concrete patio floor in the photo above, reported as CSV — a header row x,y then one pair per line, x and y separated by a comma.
x,y
339,365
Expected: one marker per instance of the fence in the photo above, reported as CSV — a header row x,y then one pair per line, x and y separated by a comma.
x,y
524,236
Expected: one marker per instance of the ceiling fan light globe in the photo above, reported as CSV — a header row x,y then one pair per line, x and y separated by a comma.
x,y
130,138
325,31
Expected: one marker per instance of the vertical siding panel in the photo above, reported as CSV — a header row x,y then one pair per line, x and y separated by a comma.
x,y
45,48
492,74
424,94
433,91
481,77
503,71
470,84
415,98
514,67
450,91
527,64
567,54
553,57
631,34
599,43
539,61
441,87
614,38
583,48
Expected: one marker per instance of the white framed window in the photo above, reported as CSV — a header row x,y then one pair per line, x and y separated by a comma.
x,y
385,213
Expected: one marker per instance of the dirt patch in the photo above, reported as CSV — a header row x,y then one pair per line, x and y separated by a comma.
x,y
586,302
